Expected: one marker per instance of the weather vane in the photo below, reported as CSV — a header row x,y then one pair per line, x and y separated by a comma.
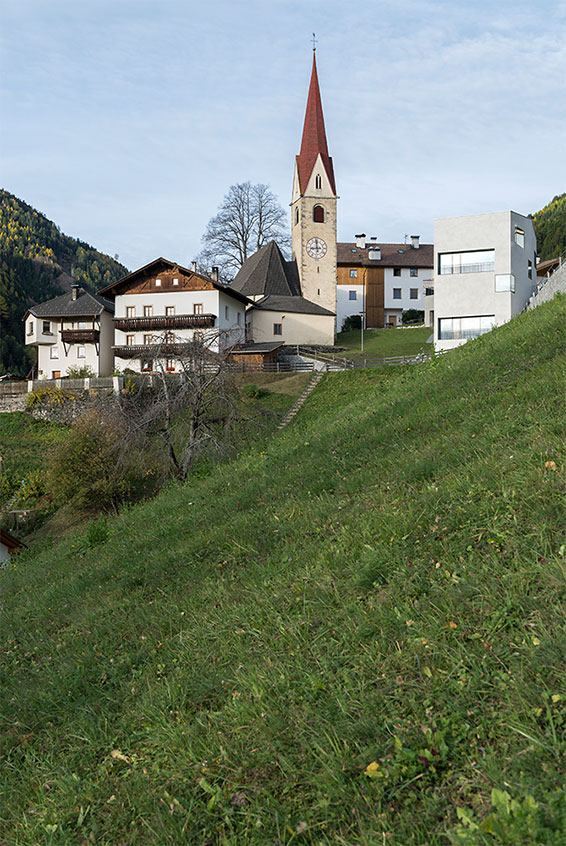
x,y
314,42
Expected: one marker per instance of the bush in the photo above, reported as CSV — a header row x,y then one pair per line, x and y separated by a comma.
x,y
51,397
253,391
354,321
85,372
89,470
412,315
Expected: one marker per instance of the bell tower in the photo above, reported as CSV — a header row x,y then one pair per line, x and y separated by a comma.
x,y
313,207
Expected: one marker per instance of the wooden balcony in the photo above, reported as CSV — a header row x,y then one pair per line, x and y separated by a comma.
x,y
80,336
181,321
149,351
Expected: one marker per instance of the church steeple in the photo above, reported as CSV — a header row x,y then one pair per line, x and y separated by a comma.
x,y
313,207
314,141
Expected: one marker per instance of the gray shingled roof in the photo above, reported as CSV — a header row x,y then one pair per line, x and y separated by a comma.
x,y
392,255
86,305
292,304
267,272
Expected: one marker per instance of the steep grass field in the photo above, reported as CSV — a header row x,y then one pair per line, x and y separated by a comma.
x,y
353,635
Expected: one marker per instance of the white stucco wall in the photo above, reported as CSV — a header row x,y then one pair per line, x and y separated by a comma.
x,y
405,282
474,294
226,332
296,328
345,307
49,344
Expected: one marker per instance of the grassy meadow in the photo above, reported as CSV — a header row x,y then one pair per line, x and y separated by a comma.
x,y
353,633
381,343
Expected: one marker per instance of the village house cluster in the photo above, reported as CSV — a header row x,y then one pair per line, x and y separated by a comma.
x,y
480,272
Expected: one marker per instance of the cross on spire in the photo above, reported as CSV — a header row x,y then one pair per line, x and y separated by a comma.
x,y
314,42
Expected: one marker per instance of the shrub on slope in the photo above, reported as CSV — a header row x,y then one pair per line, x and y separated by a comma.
x,y
341,638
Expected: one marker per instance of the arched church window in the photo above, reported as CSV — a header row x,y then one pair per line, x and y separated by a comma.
x,y
318,181
318,214
297,214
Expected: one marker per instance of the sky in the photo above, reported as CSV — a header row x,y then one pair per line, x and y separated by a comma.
x,y
126,121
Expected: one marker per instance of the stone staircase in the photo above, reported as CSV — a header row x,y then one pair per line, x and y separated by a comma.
x,y
317,376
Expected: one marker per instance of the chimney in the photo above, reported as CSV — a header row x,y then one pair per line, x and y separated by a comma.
x,y
75,288
194,266
361,241
214,274
374,251
415,241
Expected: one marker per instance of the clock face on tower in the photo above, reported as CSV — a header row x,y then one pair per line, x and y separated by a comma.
x,y
316,248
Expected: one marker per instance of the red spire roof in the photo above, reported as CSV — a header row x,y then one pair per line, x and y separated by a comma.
x,y
314,137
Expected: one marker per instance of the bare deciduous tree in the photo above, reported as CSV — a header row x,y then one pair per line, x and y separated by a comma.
x,y
249,217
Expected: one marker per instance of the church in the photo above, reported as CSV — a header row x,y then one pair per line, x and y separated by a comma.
x,y
294,302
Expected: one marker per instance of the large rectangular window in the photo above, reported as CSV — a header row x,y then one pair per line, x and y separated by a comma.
x,y
130,311
413,271
352,295
519,237
277,328
353,274
53,352
396,293
148,311
46,327
478,261
505,282
414,293
462,328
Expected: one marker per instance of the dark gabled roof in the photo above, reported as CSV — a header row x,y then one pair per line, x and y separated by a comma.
x,y
113,289
392,255
252,347
267,273
297,305
9,540
85,305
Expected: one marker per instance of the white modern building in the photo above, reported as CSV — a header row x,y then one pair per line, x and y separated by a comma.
x,y
485,272
162,307
72,331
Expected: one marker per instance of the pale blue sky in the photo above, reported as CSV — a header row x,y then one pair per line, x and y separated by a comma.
x,y
125,121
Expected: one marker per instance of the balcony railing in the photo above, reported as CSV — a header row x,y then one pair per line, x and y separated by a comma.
x,y
185,321
152,350
80,336
485,267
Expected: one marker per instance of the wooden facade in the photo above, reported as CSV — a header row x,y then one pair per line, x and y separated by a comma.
x,y
145,281
373,280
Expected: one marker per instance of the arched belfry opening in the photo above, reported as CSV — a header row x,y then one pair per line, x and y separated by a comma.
x,y
318,214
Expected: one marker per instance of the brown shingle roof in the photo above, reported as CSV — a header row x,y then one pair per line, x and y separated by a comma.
x,y
392,255
267,272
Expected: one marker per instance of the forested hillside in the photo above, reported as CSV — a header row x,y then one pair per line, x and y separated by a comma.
x,y
38,262
550,228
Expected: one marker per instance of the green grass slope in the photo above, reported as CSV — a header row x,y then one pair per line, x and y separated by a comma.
x,y
342,637
381,343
